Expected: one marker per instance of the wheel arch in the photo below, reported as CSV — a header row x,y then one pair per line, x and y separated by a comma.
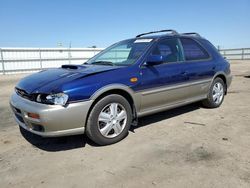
x,y
222,76
118,89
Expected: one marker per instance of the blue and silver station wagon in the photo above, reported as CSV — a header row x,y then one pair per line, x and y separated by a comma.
x,y
103,97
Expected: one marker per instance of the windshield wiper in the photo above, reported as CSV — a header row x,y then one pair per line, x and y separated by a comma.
x,y
103,63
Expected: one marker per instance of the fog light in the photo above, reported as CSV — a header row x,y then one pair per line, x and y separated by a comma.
x,y
33,115
37,127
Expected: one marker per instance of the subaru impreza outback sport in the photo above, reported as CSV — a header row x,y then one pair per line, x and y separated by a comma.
x,y
103,97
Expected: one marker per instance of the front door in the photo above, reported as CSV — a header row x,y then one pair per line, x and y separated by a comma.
x,y
161,85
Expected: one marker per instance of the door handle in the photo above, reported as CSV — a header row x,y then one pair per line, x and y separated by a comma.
x,y
184,73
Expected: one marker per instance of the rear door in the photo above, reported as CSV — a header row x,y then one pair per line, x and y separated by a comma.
x,y
199,67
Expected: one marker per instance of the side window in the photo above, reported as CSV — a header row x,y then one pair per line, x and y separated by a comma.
x,y
169,49
192,50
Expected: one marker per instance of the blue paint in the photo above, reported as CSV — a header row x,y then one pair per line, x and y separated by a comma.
x,y
83,81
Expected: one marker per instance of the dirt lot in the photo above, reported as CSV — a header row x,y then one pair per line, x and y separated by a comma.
x,y
187,147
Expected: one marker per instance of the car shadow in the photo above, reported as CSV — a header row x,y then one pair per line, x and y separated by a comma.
x,y
80,141
150,119
53,144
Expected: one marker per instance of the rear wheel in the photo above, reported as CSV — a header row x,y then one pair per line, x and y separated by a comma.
x,y
109,120
216,94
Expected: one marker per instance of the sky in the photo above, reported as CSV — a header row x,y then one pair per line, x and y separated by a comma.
x,y
85,23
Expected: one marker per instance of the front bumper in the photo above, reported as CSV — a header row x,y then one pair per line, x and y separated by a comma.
x,y
54,120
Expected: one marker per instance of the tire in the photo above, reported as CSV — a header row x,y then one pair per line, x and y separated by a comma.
x,y
214,101
109,120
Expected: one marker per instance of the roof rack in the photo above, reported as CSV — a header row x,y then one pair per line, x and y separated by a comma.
x,y
161,31
192,33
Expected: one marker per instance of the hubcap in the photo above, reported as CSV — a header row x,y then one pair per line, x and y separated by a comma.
x,y
112,120
218,92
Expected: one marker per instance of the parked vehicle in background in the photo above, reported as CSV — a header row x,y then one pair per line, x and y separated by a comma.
x,y
130,79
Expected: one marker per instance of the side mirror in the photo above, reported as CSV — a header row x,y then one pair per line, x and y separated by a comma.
x,y
154,60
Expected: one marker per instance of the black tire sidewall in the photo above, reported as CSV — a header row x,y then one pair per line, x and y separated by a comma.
x,y
92,129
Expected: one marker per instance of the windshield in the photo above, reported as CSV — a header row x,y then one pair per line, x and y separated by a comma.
x,y
122,54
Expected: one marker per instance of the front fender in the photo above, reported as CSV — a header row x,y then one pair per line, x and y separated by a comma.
x,y
136,97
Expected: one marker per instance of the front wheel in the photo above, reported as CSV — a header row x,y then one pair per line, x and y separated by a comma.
x,y
216,94
109,120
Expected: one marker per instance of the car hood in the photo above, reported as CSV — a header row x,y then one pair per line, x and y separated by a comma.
x,y
54,78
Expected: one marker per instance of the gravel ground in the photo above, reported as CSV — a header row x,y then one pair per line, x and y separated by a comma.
x,y
186,147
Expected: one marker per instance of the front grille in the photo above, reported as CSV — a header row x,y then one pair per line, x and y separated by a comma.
x,y
17,110
20,118
25,95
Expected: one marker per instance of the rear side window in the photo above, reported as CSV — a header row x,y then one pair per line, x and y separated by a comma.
x,y
169,49
193,50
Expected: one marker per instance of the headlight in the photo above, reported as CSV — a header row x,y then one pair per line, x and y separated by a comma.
x,y
58,99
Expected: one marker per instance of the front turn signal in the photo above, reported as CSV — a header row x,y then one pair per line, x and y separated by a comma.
x,y
133,79
33,115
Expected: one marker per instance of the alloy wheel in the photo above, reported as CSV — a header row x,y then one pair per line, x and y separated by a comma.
x,y
218,92
112,120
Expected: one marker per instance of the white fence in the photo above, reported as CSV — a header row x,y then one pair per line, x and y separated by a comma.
x,y
236,53
21,60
